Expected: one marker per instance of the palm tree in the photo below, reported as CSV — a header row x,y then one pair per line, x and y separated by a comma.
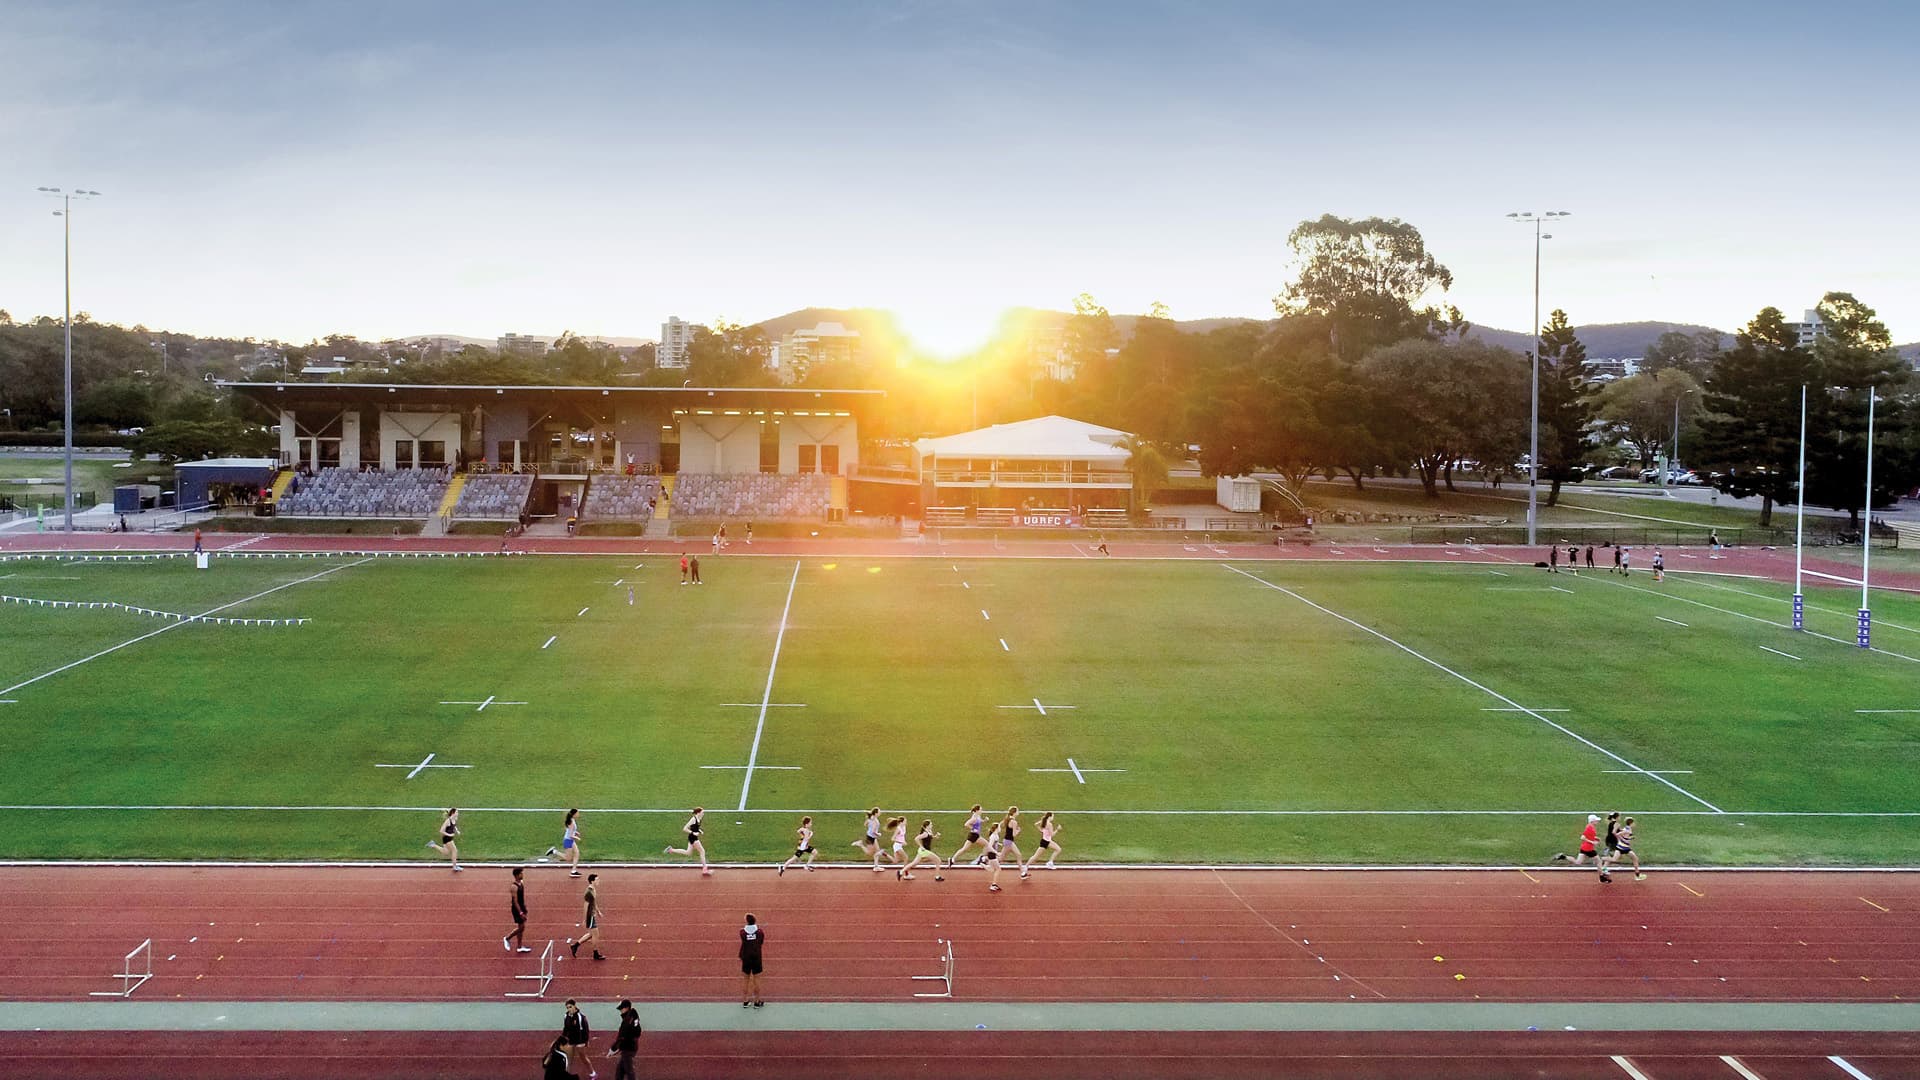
x,y
1147,461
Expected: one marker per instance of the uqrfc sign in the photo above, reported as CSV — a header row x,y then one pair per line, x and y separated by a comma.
x,y
1048,521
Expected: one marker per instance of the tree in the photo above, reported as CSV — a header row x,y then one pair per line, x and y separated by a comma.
x,y
1854,354
1441,402
1692,353
729,354
1368,278
1749,427
1566,406
189,440
1149,464
1638,410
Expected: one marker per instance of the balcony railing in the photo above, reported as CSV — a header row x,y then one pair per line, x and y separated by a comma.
x,y
1005,477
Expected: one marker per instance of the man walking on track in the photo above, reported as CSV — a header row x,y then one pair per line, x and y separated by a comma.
x,y
574,1032
626,1042
517,901
589,920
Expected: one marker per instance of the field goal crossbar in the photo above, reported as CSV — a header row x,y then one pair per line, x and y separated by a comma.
x,y
945,978
544,976
131,979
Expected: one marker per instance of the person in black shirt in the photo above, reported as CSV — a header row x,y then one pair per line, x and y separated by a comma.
x,y
517,904
589,920
626,1042
574,1032
751,938
553,1065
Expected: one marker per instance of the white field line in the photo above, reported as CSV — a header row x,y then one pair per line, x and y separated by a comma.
x,y
766,696
1777,652
1752,618
1733,1063
1870,711
178,625
1847,1066
1656,772
581,612
1788,600
1496,695
984,615
1627,1067
762,768
1003,646
1503,708
1664,619
956,811
1076,771
550,642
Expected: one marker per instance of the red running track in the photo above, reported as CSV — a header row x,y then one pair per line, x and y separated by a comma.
x,y
279,933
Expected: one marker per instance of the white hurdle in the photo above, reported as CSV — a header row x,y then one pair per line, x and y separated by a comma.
x,y
543,977
945,978
130,979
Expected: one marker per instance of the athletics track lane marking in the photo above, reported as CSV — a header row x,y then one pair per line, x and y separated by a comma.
x,y
1873,905
178,625
1848,1066
766,696
1496,695
1627,1067
1734,1064
1298,943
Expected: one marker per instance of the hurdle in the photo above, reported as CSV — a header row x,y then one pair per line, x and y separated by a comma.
x,y
945,978
131,979
543,977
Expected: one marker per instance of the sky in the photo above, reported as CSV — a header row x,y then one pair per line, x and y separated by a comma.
x,y
289,170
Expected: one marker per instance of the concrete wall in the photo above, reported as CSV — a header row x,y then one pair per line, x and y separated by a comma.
x,y
820,431
719,444
502,423
637,431
395,426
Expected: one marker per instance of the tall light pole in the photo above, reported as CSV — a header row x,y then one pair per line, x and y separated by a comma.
x,y
1864,638
1800,520
66,212
1533,425
1674,461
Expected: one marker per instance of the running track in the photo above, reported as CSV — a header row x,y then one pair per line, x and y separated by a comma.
x,y
1341,942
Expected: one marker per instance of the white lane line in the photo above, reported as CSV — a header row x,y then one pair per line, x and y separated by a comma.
x,y
178,625
1076,771
1652,772
1848,642
1627,1067
1495,573
1734,1064
760,705
483,704
550,641
766,696
1003,645
1878,623
859,811
1870,711
1848,1067
984,615
1503,708
1557,588
1496,695
758,768
426,764
1037,705
619,582
1777,652
1664,619
581,612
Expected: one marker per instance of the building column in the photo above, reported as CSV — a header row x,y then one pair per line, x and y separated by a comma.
x,y
289,438
350,440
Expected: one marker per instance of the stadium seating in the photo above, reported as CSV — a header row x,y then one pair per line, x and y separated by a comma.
x,y
621,498
494,496
372,493
751,495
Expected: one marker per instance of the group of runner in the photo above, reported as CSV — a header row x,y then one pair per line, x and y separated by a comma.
x,y
1605,853
885,842
1622,560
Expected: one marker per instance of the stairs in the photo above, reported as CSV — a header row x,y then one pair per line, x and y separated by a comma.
x,y
452,497
281,481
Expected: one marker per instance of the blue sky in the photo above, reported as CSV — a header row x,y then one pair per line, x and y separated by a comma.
x,y
287,170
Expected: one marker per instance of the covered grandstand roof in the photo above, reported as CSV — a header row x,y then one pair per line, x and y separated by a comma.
x,y
772,397
1047,438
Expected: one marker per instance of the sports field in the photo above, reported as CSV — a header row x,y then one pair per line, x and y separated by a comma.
x,y
1172,711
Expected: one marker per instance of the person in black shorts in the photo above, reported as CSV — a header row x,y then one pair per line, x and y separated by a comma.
x,y
923,853
449,828
574,1032
752,937
802,848
694,564
974,820
994,844
589,920
517,903
694,846
1610,850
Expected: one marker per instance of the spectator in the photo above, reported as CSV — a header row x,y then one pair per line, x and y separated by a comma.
x,y
553,1066
626,1042
752,937
574,1033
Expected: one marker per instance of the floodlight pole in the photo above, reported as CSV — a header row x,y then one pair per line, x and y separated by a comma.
x,y
1864,637
1800,520
66,213
1533,453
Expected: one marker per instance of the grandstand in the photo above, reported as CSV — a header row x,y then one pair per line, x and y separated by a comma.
x,y
752,495
493,496
621,498
372,493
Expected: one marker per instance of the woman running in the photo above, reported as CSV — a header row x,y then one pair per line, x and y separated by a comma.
x,y
589,920
1624,838
803,849
924,853
994,843
1010,833
1611,849
975,819
1048,830
898,853
570,842
869,843
449,828
694,846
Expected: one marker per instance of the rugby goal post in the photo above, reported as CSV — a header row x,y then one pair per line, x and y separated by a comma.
x,y
136,968
945,978
540,978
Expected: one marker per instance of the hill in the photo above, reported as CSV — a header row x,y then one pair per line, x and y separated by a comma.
x,y
1610,340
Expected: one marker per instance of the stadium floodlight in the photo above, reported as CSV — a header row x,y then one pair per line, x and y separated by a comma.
x,y
66,214
1533,424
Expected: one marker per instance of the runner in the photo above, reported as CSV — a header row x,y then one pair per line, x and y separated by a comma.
x,y
1048,830
749,534
1659,566
570,842
575,1031
1010,832
1625,839
1589,840
803,848
517,904
589,920
752,937
629,596
450,828
1102,549
1611,849
898,853
1553,559
1589,556
924,853
1616,561
869,844
693,841
994,844
974,820
1626,561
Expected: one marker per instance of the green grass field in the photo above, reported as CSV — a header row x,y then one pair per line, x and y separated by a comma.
x,y
1250,725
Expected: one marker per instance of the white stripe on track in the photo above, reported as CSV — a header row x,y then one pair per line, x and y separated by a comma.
x,y
753,755
1627,1067
1848,1066
1735,1064
1495,694
178,625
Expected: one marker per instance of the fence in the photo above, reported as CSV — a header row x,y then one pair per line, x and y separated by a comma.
x,y
1674,536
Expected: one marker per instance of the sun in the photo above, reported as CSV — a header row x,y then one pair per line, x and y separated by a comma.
x,y
947,330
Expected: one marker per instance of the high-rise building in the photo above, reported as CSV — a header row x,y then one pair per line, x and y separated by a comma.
x,y
1809,329
802,350
522,345
676,340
